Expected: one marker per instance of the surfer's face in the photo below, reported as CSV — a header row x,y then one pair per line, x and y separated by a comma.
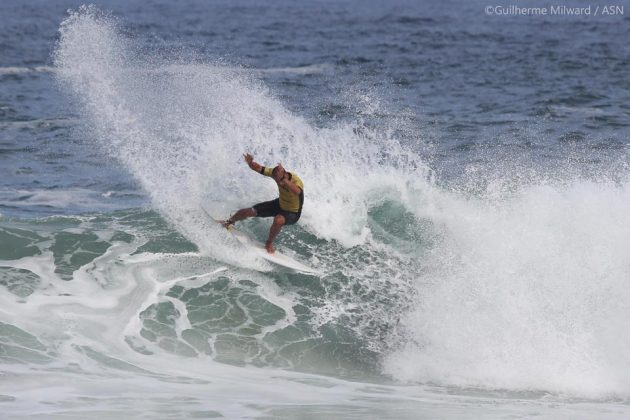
x,y
278,173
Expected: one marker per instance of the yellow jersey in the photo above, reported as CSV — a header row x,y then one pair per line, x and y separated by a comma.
x,y
288,200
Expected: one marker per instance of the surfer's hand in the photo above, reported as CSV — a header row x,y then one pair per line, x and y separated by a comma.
x,y
248,158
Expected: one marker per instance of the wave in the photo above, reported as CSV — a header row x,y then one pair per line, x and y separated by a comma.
x,y
319,68
299,70
56,199
23,70
519,288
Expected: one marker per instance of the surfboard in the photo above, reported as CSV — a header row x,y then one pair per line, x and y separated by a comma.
x,y
277,257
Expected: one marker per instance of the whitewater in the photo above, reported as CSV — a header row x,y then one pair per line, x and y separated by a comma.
x,y
503,293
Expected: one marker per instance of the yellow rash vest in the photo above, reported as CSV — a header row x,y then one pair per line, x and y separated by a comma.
x,y
288,200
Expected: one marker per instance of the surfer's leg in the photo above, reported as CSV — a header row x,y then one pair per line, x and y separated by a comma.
x,y
278,222
242,214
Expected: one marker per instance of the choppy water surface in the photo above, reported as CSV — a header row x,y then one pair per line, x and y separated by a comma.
x,y
467,198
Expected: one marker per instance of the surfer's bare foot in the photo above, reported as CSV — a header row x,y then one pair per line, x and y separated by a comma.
x,y
269,247
226,223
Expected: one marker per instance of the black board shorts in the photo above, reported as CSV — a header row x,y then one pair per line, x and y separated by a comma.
x,y
272,208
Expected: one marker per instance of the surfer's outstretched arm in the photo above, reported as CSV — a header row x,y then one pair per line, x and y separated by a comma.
x,y
254,166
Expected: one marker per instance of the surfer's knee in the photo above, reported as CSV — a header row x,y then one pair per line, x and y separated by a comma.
x,y
279,220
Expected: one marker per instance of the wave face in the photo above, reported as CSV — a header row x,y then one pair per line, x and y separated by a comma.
x,y
511,283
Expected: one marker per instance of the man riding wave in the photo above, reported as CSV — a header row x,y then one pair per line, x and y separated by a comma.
x,y
285,210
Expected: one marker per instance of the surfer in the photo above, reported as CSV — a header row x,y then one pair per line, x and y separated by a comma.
x,y
285,210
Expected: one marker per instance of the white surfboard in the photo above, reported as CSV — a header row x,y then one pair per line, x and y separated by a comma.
x,y
277,257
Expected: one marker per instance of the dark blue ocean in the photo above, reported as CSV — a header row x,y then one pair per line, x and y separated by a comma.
x,y
467,195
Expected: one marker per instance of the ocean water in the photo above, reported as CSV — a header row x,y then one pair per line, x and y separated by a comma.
x,y
466,201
